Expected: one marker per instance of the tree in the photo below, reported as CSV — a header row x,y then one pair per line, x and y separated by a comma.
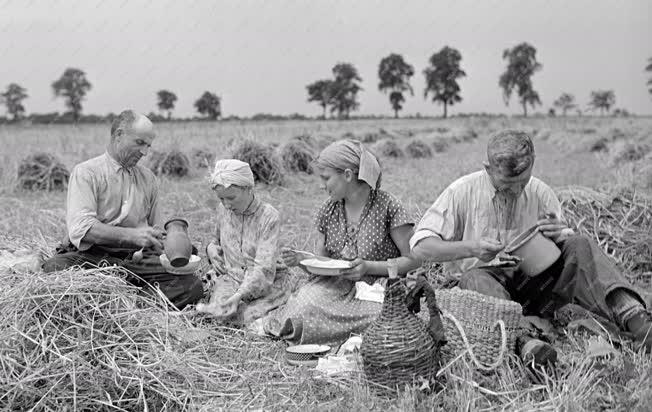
x,y
344,89
72,86
210,105
565,102
602,100
441,77
13,98
394,74
649,69
320,92
166,100
521,65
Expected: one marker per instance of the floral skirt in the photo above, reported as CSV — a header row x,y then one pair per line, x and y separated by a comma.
x,y
323,311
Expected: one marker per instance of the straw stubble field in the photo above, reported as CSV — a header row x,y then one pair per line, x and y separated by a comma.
x,y
68,340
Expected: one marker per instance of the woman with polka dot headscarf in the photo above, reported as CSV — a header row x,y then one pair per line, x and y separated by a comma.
x,y
359,222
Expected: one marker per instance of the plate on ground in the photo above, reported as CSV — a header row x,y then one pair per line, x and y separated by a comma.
x,y
326,267
188,269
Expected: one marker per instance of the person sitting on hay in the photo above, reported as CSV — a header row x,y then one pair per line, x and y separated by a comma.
x,y
473,220
247,282
360,223
113,211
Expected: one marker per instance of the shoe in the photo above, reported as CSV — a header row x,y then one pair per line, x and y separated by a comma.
x,y
640,326
536,352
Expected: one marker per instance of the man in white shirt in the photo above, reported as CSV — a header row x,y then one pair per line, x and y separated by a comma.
x,y
113,211
479,214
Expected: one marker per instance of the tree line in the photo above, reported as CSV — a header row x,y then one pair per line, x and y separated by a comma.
x,y
338,95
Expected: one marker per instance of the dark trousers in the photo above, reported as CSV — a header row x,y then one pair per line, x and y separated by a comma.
x,y
181,290
583,275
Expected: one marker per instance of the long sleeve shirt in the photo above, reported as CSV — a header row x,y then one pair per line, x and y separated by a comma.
x,y
249,243
468,210
101,190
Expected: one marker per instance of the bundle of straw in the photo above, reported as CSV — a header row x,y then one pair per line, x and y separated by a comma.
x,y
297,156
172,163
418,149
620,222
42,171
266,166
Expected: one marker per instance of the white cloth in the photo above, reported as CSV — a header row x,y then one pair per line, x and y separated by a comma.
x,y
372,293
229,172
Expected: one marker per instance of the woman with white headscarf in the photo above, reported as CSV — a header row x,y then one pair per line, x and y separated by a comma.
x,y
247,284
359,222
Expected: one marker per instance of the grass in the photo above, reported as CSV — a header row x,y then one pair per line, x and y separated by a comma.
x,y
253,373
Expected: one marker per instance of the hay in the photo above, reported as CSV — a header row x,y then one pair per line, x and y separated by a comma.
x,y
307,139
467,135
600,145
624,151
172,163
372,137
388,148
418,149
297,156
266,165
88,340
620,222
203,158
440,144
42,171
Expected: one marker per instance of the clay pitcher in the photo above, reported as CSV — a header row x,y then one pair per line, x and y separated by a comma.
x,y
177,243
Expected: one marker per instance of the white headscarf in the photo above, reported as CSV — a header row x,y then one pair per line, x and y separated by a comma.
x,y
229,172
351,154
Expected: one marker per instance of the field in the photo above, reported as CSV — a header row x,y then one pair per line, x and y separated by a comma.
x,y
610,155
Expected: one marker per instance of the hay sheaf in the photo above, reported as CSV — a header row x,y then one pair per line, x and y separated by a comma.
x,y
172,163
297,156
440,144
418,149
388,148
265,164
626,151
203,158
42,171
620,222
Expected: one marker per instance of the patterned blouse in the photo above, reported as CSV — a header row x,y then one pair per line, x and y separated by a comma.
x,y
249,243
371,239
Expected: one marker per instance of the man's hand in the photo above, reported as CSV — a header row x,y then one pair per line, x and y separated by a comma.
x,y
486,249
357,271
552,227
148,237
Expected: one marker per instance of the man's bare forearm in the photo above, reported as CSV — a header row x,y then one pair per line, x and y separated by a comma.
x,y
438,250
107,235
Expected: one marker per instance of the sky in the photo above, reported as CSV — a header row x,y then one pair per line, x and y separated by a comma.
x,y
258,56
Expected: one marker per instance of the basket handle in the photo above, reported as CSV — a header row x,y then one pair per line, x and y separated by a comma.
x,y
503,343
413,302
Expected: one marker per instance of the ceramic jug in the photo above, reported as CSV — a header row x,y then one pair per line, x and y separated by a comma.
x,y
177,245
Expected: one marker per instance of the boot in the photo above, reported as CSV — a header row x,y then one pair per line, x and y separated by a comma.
x,y
535,351
640,325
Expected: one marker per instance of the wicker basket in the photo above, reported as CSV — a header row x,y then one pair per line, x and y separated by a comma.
x,y
484,326
398,348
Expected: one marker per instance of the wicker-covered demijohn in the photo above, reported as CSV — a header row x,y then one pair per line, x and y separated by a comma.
x,y
398,348
488,325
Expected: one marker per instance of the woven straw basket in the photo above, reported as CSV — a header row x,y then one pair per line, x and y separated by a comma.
x,y
484,326
399,348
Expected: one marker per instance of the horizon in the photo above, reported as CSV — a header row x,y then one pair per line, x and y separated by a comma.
x,y
232,49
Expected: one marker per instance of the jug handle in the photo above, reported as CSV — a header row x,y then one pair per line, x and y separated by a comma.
x,y
413,301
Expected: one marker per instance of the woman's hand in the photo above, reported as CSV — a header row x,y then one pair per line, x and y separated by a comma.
x,y
552,227
292,257
216,258
357,271
224,309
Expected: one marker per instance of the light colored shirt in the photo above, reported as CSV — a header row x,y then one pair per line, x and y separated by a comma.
x,y
466,210
249,244
101,190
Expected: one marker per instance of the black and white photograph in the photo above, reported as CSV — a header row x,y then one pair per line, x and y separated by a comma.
x,y
326,205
